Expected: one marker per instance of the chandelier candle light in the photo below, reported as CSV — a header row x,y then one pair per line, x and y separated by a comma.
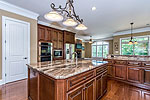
x,y
68,14
131,40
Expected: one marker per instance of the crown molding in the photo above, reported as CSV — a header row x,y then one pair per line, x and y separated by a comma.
x,y
139,30
53,26
18,10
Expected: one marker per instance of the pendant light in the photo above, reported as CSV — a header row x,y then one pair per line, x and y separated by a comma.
x,y
90,40
69,14
131,40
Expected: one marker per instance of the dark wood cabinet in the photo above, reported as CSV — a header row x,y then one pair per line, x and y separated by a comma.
x,y
89,90
101,85
110,70
76,94
69,37
41,33
104,82
147,76
134,74
57,38
120,71
44,33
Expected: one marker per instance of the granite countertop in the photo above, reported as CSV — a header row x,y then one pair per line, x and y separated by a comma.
x,y
64,69
143,59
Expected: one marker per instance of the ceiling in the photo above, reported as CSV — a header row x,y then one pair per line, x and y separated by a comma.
x,y
109,17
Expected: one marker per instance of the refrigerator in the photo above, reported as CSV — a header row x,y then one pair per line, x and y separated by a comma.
x,y
69,49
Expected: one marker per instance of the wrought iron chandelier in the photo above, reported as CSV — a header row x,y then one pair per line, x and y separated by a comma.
x,y
131,40
66,13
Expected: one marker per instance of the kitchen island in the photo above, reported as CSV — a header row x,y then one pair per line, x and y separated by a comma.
x,y
66,80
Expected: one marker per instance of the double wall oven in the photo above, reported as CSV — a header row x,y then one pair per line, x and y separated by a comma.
x,y
45,51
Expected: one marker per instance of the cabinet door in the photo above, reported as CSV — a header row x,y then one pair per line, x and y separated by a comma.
x,y
77,94
41,33
72,38
55,44
67,37
110,70
60,45
60,36
147,76
48,35
55,35
104,83
89,90
120,71
98,87
133,74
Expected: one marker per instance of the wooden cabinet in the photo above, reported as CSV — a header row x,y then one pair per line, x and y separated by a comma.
x,y
44,33
89,90
147,76
41,33
120,71
69,37
76,94
57,38
146,95
110,70
134,74
101,85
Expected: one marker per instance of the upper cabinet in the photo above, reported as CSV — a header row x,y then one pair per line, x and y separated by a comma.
x,y
69,37
57,39
44,33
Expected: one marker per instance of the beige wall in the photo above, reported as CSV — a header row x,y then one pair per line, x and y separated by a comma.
x,y
33,36
88,50
117,39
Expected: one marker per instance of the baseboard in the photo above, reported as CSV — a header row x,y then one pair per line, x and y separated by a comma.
x,y
1,82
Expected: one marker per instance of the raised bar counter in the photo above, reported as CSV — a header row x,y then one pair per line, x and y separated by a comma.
x,y
64,80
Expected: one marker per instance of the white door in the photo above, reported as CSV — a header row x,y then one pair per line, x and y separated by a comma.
x,y
16,50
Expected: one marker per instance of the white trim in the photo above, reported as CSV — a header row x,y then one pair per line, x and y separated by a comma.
x,y
139,30
53,26
18,10
4,18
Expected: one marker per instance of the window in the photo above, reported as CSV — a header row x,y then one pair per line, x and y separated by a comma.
x,y
100,49
141,48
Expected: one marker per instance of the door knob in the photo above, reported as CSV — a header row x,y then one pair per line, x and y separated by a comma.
x,y
25,58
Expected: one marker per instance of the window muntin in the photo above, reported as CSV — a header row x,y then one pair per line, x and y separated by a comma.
x,y
100,49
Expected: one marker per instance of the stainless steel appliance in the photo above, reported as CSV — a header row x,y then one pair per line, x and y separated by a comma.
x,y
69,49
45,51
58,53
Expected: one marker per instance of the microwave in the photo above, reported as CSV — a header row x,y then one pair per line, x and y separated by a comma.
x,y
58,53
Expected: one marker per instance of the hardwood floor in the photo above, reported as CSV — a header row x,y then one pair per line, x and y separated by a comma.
x,y
116,91
14,91
121,91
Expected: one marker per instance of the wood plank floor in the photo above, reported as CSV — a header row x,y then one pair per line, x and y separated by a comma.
x,y
116,91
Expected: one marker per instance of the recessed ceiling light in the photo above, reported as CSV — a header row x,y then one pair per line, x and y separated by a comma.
x,y
93,8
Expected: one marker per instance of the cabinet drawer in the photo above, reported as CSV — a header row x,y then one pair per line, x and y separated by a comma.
x,y
119,62
101,70
79,79
134,63
146,64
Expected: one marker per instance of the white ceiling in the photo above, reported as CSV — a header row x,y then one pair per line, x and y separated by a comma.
x,y
110,16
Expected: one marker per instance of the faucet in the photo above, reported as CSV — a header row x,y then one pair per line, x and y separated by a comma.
x,y
76,58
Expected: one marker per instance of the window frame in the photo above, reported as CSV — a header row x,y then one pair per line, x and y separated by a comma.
x,y
148,36
102,48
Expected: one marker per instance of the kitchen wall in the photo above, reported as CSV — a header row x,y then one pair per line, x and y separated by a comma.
x,y
116,40
88,50
83,51
33,35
